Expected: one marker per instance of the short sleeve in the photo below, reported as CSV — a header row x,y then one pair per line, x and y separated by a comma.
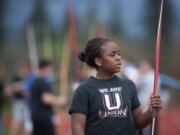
x,y
80,101
135,99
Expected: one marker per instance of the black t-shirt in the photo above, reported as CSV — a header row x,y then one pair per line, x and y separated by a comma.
x,y
108,105
40,111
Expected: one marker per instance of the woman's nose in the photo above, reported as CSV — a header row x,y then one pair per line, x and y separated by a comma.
x,y
118,57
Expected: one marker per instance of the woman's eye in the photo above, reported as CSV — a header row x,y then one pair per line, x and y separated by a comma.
x,y
112,55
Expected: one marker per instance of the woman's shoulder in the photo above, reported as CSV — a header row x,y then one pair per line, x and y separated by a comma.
x,y
126,81
85,84
123,79
87,81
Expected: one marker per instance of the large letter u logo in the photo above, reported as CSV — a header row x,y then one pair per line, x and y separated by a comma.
x,y
112,101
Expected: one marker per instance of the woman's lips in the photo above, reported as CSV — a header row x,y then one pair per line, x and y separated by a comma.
x,y
119,65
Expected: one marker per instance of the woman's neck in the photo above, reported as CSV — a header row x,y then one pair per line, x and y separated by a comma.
x,y
103,76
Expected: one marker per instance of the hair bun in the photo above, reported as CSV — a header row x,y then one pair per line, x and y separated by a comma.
x,y
82,56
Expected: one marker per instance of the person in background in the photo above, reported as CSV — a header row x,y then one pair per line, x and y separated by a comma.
x,y
1,97
145,86
43,100
106,104
20,109
129,71
145,82
26,85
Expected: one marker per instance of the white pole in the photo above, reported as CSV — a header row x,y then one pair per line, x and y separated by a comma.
x,y
32,47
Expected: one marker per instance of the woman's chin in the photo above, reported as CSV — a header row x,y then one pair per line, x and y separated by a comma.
x,y
118,70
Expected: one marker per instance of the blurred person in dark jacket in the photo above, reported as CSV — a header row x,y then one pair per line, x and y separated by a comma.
x,y
43,100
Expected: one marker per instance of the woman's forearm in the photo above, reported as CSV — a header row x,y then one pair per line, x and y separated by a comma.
x,y
77,131
141,119
144,120
78,123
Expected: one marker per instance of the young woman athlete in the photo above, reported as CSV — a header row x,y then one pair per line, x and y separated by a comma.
x,y
107,104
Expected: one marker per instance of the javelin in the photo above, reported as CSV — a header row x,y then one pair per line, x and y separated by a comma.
x,y
158,45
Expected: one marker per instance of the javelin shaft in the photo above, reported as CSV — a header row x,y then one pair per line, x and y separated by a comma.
x,y
158,45
157,59
153,126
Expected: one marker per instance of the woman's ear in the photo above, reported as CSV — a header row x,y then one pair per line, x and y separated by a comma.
x,y
98,61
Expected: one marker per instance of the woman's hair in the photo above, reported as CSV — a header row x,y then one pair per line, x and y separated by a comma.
x,y
92,51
